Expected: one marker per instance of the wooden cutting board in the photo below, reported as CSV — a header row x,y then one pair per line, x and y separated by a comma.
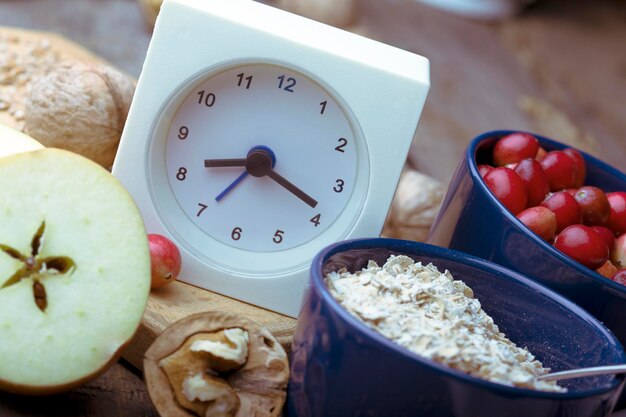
x,y
166,305
178,300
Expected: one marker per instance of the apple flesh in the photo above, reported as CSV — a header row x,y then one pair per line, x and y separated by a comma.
x,y
165,260
74,270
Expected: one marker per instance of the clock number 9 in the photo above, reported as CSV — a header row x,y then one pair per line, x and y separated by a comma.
x,y
183,132
339,187
291,82
208,100
181,175
236,233
278,236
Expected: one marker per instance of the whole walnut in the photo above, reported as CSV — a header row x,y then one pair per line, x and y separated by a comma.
x,y
414,206
81,108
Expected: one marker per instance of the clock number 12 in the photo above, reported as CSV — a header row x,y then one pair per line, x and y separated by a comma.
x,y
288,86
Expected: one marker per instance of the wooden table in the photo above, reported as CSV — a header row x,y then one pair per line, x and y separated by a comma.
x,y
559,69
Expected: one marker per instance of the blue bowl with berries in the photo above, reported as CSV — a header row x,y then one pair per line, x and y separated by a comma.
x,y
552,213
344,364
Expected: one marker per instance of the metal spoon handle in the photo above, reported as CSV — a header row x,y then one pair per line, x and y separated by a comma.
x,y
578,373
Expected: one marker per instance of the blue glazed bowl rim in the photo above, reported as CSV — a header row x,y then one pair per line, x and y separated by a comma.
x,y
317,282
470,158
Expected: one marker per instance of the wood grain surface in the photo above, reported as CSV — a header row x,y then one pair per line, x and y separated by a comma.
x,y
179,300
558,69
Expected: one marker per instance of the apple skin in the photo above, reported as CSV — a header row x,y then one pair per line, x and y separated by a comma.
x,y
93,312
618,254
165,260
13,141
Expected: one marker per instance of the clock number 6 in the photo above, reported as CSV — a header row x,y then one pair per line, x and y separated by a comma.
x,y
236,233
339,187
278,236
208,99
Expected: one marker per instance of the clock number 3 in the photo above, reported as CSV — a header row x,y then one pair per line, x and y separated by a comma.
x,y
288,85
339,187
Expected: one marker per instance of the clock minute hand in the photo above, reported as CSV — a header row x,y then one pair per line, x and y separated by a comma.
x,y
292,188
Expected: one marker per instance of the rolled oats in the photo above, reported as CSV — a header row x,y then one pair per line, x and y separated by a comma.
x,y
436,317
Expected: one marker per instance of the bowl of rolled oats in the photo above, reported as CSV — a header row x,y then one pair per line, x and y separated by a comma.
x,y
396,328
473,220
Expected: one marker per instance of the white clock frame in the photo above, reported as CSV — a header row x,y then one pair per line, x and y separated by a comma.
x,y
383,89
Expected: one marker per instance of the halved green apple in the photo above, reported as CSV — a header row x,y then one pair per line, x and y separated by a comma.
x,y
13,141
74,270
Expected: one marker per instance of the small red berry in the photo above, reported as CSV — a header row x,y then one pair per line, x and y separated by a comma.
x,y
165,260
566,209
508,188
536,180
514,147
594,204
584,245
606,234
561,170
484,169
581,168
540,220
617,216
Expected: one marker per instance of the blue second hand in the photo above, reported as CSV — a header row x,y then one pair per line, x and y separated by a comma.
x,y
231,186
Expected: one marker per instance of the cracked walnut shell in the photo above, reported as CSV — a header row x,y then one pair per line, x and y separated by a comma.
x,y
216,364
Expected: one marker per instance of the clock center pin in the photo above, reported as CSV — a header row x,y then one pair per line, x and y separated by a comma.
x,y
260,161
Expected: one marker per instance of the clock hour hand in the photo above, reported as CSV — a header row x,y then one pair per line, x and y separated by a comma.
x,y
221,163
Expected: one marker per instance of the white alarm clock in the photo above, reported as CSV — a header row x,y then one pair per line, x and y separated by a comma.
x,y
257,137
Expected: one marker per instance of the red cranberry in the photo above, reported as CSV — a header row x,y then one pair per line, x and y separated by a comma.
x,y
566,209
513,148
594,204
536,180
508,188
581,168
606,235
540,220
561,170
584,245
484,169
617,216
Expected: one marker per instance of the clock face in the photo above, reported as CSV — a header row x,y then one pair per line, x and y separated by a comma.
x,y
261,157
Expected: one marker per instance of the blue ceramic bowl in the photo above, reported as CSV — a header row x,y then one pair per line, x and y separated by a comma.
x,y
340,367
472,220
